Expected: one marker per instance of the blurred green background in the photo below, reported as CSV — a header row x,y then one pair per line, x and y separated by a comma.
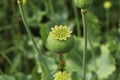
x,y
17,55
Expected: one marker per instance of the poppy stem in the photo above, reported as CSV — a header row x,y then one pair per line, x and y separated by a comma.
x,y
83,12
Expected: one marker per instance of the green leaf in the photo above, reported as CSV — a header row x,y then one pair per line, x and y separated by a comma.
x,y
36,75
44,31
22,76
74,57
16,63
7,77
105,63
37,17
94,76
75,76
113,46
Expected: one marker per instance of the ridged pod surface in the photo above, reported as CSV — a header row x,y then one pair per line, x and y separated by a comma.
x,y
83,3
60,44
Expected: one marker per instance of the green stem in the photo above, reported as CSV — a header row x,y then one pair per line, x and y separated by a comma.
x,y
42,60
15,18
51,9
2,74
92,50
83,11
61,62
107,20
77,20
4,55
7,59
119,22
5,32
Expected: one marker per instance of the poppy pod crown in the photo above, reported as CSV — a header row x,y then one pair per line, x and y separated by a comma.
x,y
60,39
62,76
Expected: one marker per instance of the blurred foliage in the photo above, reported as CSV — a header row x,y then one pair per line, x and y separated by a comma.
x,y
17,56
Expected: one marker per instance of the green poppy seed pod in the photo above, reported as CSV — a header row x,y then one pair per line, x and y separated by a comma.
x,y
83,3
60,39
23,2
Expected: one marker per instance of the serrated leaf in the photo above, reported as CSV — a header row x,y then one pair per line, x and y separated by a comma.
x,y
105,63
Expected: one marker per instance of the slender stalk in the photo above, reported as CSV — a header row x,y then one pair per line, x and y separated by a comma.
x,y
2,74
83,11
92,50
5,32
119,17
38,57
50,3
107,19
119,22
7,59
61,62
4,55
51,7
76,20
14,16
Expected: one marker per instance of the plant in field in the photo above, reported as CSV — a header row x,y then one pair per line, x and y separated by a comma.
x,y
33,47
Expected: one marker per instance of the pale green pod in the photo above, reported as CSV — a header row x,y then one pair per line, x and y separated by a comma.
x,y
58,43
83,3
